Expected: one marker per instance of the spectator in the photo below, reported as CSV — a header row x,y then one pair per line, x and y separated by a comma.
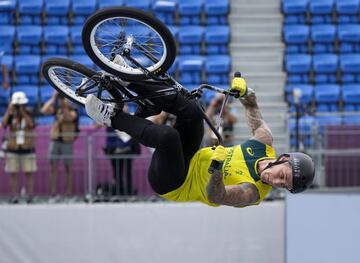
x,y
20,154
228,121
4,72
117,144
63,134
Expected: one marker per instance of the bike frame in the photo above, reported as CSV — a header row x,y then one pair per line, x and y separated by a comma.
x,y
117,88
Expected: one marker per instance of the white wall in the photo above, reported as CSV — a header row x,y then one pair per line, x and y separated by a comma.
x,y
151,232
323,227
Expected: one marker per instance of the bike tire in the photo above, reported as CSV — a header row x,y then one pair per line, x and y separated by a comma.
x,y
53,65
105,62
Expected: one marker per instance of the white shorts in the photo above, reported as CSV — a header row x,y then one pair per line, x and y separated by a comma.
x,y
20,162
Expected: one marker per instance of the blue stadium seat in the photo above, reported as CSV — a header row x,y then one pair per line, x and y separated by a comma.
x,y
109,3
347,11
57,11
29,39
306,125
190,12
217,39
216,12
327,120
325,67
4,98
27,69
349,37
175,31
7,37
76,40
323,38
45,93
321,11
144,5
165,10
351,119
8,61
190,69
81,9
351,96
31,91
294,11
7,9
350,68
298,68
56,39
83,59
30,11
296,38
327,97
190,39
307,93
217,68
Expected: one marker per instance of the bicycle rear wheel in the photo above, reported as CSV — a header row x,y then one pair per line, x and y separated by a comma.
x,y
109,33
71,79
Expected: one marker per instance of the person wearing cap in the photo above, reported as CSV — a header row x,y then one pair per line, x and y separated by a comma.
x,y
20,154
243,175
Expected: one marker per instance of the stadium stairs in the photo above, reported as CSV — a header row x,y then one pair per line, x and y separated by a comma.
x,y
256,49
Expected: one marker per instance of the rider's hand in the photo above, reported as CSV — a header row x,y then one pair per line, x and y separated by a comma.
x,y
238,85
219,154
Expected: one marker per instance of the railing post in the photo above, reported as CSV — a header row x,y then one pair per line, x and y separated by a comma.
x,y
90,173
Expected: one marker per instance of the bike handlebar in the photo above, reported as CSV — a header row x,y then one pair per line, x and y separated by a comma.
x,y
215,165
218,90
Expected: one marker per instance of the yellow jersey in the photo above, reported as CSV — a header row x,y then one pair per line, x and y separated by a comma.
x,y
240,166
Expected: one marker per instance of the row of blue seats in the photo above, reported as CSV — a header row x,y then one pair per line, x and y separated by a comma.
x,y
311,126
76,11
326,97
63,39
308,123
39,95
192,69
322,38
323,68
320,11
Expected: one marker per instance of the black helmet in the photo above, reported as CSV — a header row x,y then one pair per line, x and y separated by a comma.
x,y
303,171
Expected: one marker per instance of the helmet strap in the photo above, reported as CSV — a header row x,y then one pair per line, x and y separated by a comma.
x,y
277,162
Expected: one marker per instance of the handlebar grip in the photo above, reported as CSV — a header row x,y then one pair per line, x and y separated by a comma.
x,y
237,74
214,166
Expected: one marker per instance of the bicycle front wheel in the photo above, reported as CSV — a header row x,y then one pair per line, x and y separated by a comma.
x,y
109,32
71,79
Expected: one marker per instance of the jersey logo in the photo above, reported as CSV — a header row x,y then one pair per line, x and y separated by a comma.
x,y
249,151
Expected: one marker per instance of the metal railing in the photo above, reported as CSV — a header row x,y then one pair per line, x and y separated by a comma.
x,y
90,167
93,177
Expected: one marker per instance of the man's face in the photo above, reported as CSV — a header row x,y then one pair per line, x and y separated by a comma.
x,y
278,175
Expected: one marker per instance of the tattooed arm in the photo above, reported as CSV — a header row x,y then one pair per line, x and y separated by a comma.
x,y
258,126
232,195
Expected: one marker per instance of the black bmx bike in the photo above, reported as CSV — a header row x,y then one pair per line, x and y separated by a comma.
x,y
134,50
